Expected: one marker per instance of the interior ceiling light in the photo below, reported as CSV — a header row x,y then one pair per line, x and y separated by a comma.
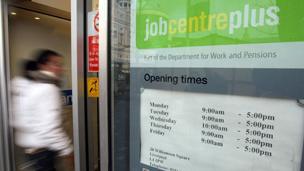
x,y
13,13
37,18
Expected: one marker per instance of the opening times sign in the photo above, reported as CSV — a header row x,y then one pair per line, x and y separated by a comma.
x,y
190,131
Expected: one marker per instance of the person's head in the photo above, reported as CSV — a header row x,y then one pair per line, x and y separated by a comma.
x,y
28,67
51,61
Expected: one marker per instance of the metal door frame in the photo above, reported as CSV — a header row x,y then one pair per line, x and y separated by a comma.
x,y
78,82
6,145
104,86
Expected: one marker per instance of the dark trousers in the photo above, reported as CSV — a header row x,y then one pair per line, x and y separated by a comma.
x,y
44,160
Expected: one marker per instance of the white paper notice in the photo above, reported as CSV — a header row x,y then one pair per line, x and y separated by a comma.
x,y
195,131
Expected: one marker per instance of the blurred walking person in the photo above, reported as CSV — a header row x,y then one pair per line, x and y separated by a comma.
x,y
37,111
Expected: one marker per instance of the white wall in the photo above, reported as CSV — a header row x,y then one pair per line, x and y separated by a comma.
x,y
59,4
27,35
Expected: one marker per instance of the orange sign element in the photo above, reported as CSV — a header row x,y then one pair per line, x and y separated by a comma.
x,y
93,87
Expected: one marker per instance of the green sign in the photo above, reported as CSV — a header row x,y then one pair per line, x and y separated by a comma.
x,y
184,23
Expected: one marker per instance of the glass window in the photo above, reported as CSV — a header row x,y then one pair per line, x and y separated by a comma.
x,y
121,75
201,84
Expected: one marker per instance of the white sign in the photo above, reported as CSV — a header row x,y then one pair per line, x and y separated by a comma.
x,y
273,55
195,131
93,23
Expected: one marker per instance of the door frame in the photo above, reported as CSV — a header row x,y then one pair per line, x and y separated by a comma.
x,y
78,83
6,132
104,86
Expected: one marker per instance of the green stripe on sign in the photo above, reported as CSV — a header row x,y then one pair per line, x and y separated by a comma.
x,y
186,23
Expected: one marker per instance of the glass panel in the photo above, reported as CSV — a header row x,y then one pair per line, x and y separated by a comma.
x,y
120,50
28,32
210,83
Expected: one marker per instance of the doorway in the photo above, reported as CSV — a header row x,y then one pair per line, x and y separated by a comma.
x,y
34,25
